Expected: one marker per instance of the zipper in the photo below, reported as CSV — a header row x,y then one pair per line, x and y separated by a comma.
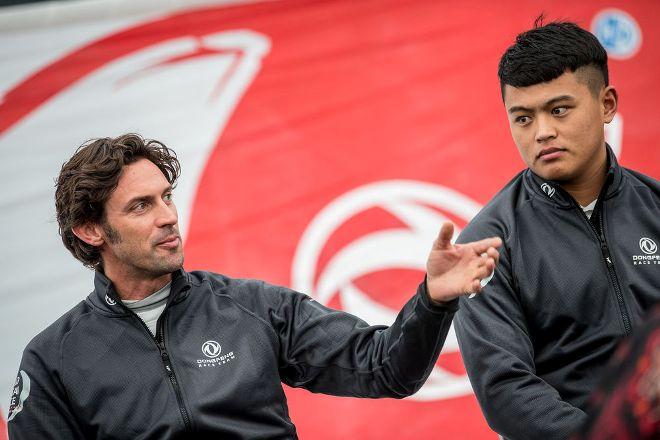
x,y
607,256
613,277
165,358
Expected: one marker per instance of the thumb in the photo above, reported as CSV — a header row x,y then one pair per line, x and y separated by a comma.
x,y
444,237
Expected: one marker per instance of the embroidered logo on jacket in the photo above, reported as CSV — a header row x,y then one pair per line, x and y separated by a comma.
x,y
650,249
212,350
110,301
549,190
648,246
19,395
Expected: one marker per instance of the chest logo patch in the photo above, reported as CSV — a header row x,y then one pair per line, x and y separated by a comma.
x,y
650,256
648,246
211,349
214,357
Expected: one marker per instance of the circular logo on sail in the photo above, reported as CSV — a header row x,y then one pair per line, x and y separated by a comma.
x,y
342,249
618,32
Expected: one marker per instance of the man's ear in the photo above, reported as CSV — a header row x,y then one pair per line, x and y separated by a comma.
x,y
609,101
90,233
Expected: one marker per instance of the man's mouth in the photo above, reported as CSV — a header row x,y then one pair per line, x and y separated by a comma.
x,y
170,242
550,153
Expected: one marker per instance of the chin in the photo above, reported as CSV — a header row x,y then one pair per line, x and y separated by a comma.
x,y
551,172
165,266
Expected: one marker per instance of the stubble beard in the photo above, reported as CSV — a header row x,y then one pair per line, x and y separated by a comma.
x,y
149,265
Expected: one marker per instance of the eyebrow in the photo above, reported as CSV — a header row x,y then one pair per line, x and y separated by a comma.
x,y
136,199
555,100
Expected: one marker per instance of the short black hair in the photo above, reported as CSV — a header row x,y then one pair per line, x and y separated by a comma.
x,y
546,51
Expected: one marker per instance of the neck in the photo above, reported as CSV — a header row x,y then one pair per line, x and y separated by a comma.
x,y
136,286
587,188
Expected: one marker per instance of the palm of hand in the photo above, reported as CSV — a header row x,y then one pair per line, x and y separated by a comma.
x,y
457,269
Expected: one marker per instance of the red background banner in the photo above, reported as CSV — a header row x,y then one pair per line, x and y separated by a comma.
x,y
354,95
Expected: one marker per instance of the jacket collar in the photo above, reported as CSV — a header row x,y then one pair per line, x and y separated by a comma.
x,y
105,296
552,192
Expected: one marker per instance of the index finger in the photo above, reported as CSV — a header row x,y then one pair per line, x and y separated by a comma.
x,y
444,236
482,246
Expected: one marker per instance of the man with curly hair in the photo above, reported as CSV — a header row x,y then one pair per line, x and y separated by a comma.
x,y
157,352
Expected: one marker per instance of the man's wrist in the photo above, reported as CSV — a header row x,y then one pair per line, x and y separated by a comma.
x,y
450,305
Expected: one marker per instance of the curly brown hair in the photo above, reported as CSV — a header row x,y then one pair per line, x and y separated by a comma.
x,y
88,179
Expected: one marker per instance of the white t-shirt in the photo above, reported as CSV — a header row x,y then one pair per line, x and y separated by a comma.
x,y
150,308
589,209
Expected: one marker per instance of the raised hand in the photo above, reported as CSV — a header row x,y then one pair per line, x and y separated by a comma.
x,y
453,270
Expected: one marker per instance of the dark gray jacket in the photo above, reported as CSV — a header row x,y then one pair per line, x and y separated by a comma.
x,y
222,348
566,291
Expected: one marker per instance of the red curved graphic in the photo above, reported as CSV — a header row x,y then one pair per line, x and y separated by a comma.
x,y
353,93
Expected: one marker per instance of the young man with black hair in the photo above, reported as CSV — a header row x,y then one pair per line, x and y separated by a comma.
x,y
156,352
567,288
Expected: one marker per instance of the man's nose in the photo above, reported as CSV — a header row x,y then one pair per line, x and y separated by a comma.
x,y
545,128
167,214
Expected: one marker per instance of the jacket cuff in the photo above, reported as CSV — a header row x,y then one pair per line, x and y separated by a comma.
x,y
434,306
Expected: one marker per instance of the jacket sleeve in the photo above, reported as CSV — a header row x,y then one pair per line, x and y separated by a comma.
x,y
333,352
498,353
38,408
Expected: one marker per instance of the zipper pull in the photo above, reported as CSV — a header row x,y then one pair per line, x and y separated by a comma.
x,y
604,249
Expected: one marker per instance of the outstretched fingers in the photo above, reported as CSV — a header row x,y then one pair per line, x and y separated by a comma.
x,y
484,246
484,267
493,254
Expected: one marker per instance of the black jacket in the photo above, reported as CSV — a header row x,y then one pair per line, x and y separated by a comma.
x,y
222,348
565,292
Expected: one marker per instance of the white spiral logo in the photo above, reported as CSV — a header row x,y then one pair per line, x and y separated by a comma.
x,y
211,349
419,207
648,246
549,190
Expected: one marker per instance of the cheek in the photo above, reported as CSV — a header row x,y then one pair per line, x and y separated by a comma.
x,y
586,132
589,122
136,236
524,142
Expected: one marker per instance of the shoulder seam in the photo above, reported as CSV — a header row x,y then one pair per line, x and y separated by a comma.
x,y
242,308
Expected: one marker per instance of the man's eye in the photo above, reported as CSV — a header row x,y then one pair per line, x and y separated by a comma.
x,y
140,206
523,120
168,197
558,111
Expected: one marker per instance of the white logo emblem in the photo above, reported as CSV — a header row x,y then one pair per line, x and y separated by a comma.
x,y
618,32
211,349
110,301
19,395
549,190
419,211
648,246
